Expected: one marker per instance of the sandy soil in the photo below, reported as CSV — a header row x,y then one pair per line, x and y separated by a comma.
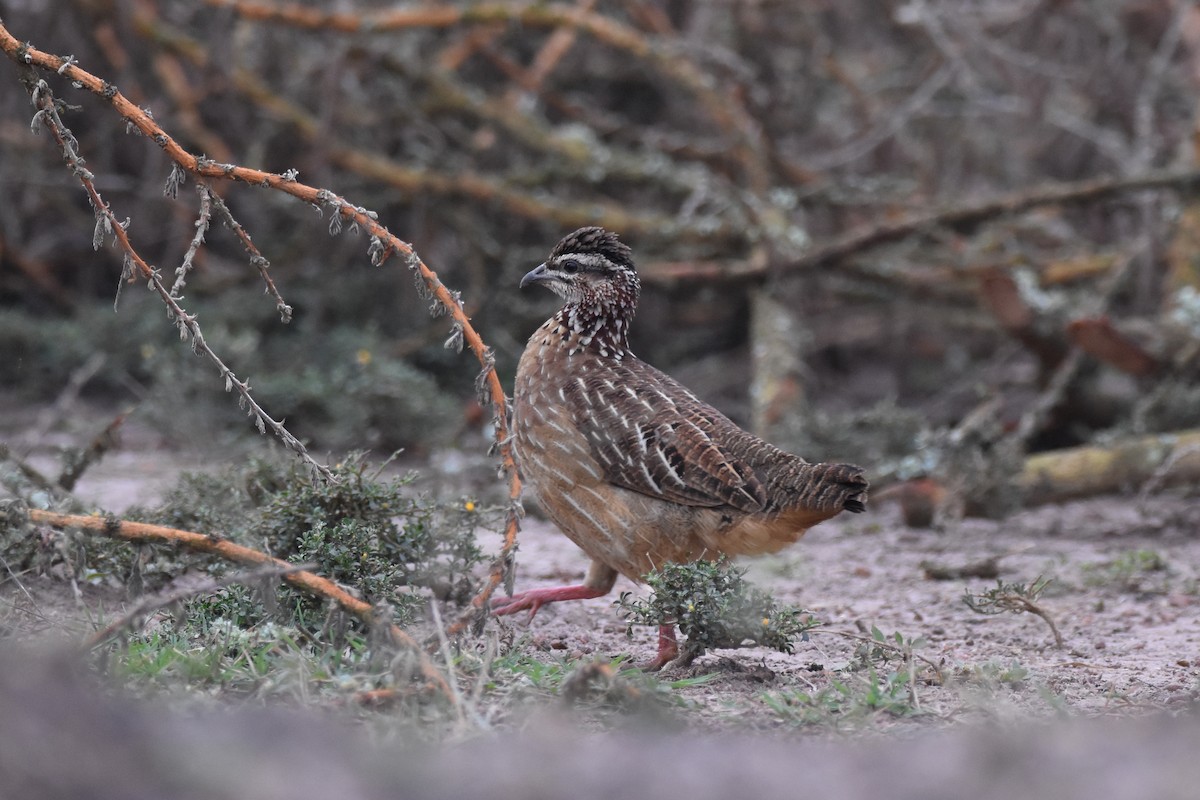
x,y
1131,641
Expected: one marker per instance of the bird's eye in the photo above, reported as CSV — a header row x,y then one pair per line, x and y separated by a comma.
x,y
570,266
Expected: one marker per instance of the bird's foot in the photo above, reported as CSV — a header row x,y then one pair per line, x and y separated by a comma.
x,y
668,649
536,598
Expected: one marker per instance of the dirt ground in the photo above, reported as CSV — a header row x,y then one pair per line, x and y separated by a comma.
x,y
1131,641
1125,595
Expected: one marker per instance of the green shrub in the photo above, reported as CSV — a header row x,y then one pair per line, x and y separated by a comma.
x,y
714,606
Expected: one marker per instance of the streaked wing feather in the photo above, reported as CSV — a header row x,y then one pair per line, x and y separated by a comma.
x,y
653,436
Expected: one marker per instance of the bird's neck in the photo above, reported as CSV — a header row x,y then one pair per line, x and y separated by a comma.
x,y
599,322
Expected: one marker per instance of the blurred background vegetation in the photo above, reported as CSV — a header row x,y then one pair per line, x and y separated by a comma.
x,y
727,142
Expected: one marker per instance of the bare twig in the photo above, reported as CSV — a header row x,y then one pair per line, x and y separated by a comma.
x,y
1064,375
256,257
1142,148
39,273
91,454
203,218
408,178
62,405
419,180
872,139
1034,418
31,473
868,237
107,223
383,243
672,62
213,545
551,52
1178,455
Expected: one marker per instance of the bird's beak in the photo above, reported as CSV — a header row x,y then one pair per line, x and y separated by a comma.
x,y
536,275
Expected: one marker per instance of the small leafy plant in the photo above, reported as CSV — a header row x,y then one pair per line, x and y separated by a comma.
x,y
847,701
1141,570
881,649
993,674
714,606
1016,598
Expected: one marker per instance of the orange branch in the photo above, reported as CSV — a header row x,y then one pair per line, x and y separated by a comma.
x,y
214,545
383,244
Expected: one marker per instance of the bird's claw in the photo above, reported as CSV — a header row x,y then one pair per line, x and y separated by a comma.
x,y
504,606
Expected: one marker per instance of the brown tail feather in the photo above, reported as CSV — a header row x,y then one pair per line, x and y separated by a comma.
x,y
809,493
830,488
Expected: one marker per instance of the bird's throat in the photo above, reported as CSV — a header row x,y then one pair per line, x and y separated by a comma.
x,y
598,326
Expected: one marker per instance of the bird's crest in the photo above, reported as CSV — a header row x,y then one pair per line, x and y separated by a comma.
x,y
595,240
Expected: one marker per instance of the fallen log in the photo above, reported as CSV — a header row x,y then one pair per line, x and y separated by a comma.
x,y
1144,462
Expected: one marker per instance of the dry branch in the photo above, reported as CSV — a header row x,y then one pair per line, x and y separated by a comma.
x,y
257,260
1145,464
64,404
591,160
551,52
418,180
203,220
723,108
1067,371
91,454
1097,337
32,474
214,545
1101,469
383,244
964,216
108,224
38,272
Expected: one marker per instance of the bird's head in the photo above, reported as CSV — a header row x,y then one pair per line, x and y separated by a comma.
x,y
589,265
592,270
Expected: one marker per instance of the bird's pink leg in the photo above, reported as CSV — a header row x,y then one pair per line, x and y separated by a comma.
x,y
536,598
599,582
668,649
